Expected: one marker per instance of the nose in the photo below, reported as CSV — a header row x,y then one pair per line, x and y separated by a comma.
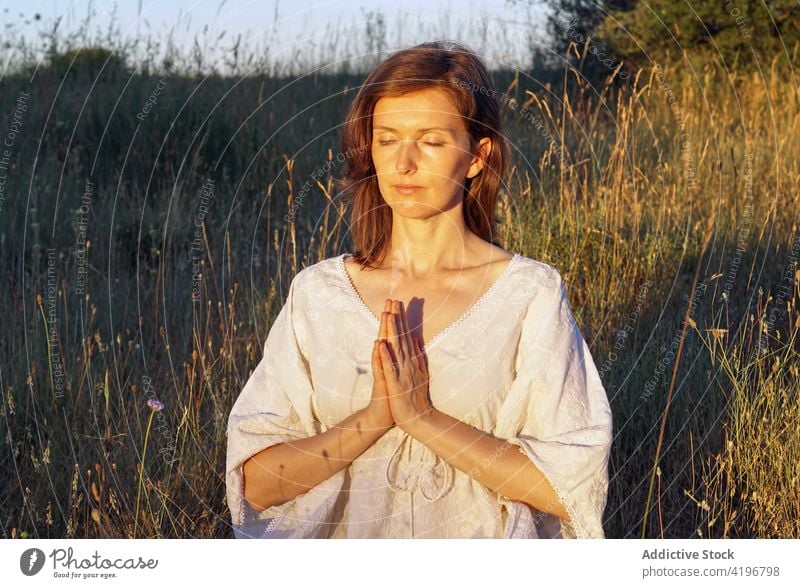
x,y
406,156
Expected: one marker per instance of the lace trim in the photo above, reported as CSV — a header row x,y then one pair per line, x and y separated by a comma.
x,y
469,312
272,524
573,527
245,505
242,499
343,271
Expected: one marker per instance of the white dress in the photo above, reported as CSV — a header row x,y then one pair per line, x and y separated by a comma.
x,y
515,365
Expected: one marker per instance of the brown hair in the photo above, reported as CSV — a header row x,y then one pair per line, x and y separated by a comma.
x,y
461,73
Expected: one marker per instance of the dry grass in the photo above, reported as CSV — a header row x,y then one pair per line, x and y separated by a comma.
x,y
751,488
615,213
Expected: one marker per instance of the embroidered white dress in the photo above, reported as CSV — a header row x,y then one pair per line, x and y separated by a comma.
x,y
515,365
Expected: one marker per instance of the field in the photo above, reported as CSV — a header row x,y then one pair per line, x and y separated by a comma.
x,y
145,250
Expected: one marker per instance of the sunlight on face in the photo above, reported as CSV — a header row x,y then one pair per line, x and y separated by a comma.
x,y
420,139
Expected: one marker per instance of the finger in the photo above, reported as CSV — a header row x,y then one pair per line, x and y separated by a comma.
x,y
383,332
414,351
377,365
394,339
418,353
405,351
386,334
386,359
386,319
409,344
423,356
423,360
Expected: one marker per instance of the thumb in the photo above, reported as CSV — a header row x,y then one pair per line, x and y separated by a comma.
x,y
377,365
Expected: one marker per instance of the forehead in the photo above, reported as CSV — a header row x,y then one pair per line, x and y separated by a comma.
x,y
425,108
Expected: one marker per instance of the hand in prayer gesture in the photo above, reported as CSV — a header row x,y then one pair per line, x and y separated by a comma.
x,y
400,368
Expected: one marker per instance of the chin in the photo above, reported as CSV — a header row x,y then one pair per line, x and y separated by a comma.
x,y
410,208
418,207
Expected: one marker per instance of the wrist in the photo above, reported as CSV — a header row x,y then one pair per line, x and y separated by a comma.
x,y
415,424
377,418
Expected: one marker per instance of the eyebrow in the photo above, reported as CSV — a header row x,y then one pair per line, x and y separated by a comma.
x,y
425,130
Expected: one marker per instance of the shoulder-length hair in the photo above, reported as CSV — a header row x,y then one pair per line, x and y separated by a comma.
x,y
463,75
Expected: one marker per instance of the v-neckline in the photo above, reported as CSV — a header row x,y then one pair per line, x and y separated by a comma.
x,y
467,313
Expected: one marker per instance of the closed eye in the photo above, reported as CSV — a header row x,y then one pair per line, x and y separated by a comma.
x,y
431,143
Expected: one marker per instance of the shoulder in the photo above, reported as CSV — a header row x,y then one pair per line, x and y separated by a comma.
x,y
313,297
548,308
318,273
318,287
538,276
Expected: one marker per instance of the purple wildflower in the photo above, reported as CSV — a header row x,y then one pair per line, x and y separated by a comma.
x,y
156,405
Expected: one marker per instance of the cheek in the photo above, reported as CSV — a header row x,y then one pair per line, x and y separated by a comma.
x,y
452,169
379,162
442,167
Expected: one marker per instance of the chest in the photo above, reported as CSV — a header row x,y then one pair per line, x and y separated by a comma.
x,y
431,306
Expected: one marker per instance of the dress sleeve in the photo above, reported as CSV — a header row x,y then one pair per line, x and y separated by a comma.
x,y
557,413
275,406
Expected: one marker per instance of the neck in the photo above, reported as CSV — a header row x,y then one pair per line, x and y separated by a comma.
x,y
422,248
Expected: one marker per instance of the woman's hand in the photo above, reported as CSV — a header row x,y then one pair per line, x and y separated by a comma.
x,y
405,368
379,406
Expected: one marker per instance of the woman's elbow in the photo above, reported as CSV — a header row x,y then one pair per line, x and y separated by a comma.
x,y
257,486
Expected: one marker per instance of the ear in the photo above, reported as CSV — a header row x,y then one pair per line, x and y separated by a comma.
x,y
479,160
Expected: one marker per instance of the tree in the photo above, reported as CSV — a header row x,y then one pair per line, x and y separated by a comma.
x,y
576,22
743,33
570,18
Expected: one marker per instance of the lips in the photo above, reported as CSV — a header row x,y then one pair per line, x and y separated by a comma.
x,y
407,188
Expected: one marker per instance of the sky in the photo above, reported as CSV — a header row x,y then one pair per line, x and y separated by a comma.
x,y
498,29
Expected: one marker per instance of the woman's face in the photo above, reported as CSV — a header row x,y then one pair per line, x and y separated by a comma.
x,y
420,139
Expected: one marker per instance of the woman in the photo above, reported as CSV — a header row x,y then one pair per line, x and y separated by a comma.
x,y
431,384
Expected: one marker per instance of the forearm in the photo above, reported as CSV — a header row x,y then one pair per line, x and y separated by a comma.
x,y
495,463
281,472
